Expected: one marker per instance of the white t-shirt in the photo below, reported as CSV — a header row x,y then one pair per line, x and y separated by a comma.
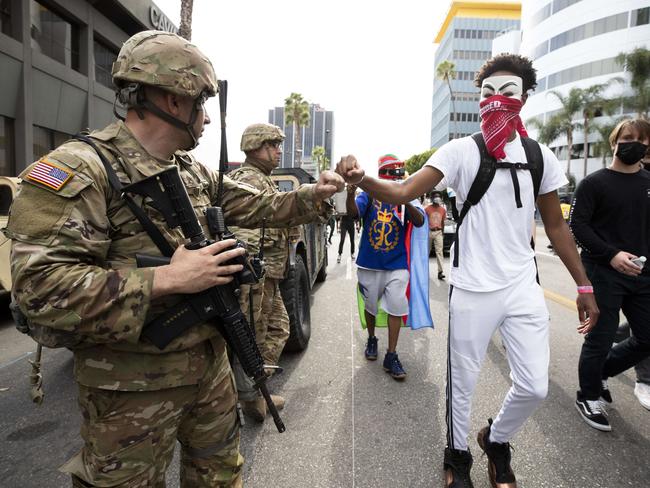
x,y
494,238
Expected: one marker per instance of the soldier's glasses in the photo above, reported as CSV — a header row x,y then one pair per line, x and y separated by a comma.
x,y
275,144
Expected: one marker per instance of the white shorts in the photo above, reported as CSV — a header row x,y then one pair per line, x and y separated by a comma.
x,y
389,286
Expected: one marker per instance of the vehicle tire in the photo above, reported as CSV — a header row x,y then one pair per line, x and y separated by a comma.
x,y
322,272
295,294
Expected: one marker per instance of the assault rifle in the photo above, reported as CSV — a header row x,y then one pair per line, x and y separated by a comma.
x,y
166,192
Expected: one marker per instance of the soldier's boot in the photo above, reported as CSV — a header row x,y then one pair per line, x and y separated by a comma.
x,y
278,401
256,409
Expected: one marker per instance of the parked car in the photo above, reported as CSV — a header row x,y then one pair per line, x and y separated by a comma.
x,y
307,264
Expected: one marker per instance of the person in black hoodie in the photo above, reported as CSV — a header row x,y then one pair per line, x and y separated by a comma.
x,y
610,219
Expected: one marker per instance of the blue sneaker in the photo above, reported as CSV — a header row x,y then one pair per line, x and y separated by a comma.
x,y
371,349
393,366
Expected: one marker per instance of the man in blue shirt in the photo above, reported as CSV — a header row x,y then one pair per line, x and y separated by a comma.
x,y
383,262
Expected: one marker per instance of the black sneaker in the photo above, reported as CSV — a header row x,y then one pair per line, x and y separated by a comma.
x,y
605,394
393,366
499,457
593,413
457,465
371,348
441,275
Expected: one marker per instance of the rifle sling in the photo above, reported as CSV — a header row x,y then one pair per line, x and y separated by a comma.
x,y
161,330
150,228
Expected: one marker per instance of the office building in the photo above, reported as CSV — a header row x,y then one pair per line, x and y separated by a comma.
x,y
55,69
574,43
465,39
319,132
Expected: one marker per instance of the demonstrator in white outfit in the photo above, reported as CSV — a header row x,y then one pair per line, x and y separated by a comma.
x,y
493,281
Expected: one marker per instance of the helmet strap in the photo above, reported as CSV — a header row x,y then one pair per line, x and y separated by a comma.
x,y
269,156
170,119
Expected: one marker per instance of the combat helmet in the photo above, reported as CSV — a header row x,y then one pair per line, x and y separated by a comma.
x,y
257,134
166,61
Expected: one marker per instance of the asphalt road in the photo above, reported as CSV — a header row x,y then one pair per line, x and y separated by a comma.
x,y
348,423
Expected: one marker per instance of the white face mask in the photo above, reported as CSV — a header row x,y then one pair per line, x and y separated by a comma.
x,y
437,200
509,86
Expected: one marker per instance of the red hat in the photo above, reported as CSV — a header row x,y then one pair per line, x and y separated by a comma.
x,y
390,168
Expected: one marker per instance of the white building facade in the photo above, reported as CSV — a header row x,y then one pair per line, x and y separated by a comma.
x,y
574,43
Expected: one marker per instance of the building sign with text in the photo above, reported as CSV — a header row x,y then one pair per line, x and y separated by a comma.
x,y
160,21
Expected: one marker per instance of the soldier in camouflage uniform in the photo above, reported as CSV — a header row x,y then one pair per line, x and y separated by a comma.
x,y
262,144
73,264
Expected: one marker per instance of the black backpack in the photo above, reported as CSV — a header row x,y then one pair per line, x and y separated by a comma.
x,y
486,171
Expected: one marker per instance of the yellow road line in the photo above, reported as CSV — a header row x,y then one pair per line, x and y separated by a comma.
x,y
560,299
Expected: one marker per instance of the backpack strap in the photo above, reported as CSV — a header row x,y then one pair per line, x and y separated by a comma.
x,y
482,181
154,232
535,162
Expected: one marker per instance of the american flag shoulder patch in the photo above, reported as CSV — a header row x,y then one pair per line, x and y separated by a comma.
x,y
49,174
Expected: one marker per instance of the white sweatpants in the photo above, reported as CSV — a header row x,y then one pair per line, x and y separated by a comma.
x,y
520,313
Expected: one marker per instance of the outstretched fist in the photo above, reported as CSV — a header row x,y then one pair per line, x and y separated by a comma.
x,y
349,168
328,184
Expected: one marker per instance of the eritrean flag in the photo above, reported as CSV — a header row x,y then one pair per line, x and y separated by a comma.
x,y
417,291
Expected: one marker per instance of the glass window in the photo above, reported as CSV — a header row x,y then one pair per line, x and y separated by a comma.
x,y
7,147
562,4
41,142
54,36
5,16
541,15
104,58
641,16
47,139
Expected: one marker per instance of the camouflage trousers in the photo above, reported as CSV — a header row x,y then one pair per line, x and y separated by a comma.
x,y
129,436
271,328
275,326
269,315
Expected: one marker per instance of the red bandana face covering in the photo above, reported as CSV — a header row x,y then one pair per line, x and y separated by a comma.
x,y
499,117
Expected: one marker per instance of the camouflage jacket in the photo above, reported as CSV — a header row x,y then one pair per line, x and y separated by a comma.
x,y
276,243
73,256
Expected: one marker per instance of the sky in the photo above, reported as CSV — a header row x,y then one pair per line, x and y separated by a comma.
x,y
372,63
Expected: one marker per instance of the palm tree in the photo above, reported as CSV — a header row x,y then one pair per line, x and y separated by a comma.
x,y
601,146
562,122
637,63
322,161
446,71
296,112
185,29
593,105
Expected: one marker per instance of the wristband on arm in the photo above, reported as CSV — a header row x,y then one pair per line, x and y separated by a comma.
x,y
585,290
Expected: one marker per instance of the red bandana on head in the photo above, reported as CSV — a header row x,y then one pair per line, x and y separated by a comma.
x,y
499,116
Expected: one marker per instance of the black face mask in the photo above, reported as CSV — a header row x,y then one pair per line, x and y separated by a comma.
x,y
631,152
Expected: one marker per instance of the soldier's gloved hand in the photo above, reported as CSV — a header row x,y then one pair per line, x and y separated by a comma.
x,y
349,168
197,270
328,184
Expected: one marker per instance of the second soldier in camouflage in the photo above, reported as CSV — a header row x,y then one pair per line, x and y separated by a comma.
x,y
262,144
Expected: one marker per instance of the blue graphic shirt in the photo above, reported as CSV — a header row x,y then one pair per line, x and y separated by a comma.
x,y
383,241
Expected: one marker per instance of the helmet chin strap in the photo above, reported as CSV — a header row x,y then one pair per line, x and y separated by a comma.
x,y
161,114
270,158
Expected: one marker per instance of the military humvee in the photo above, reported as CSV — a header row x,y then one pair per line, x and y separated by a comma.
x,y
8,186
307,264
